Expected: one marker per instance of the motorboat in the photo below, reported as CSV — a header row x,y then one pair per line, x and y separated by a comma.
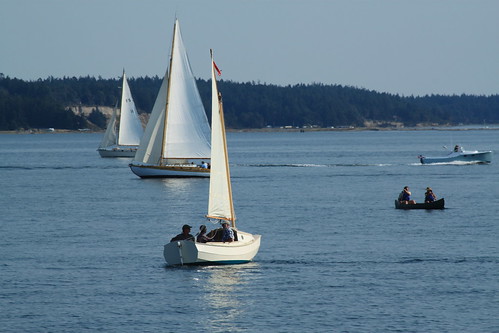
x,y
460,155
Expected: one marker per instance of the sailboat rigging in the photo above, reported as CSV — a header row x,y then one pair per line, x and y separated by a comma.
x,y
176,140
220,205
126,141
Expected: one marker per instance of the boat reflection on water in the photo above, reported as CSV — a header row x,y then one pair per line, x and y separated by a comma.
x,y
226,296
179,184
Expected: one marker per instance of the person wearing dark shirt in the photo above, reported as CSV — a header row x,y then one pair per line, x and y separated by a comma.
x,y
185,235
429,196
405,196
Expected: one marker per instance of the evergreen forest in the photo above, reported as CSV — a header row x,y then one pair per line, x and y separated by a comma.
x,y
46,103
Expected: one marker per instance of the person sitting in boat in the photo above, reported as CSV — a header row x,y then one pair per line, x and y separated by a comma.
x,y
204,165
202,238
228,235
185,235
429,196
457,149
405,196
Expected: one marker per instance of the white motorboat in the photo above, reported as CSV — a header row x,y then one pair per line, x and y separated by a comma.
x,y
460,155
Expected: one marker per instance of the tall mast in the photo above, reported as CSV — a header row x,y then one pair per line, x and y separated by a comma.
x,y
224,139
118,113
169,71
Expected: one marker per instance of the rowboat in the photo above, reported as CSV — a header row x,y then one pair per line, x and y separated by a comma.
x,y
438,204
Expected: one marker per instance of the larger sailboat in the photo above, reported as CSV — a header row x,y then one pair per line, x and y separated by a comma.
x,y
176,140
125,142
220,205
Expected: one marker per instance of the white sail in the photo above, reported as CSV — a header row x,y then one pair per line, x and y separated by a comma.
x,y
187,129
130,126
150,148
178,128
220,203
109,138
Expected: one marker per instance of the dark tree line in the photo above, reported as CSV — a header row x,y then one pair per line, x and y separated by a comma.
x,y
45,103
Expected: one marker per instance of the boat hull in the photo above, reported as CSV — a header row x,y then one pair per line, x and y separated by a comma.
x,y
213,253
465,156
438,204
117,151
168,171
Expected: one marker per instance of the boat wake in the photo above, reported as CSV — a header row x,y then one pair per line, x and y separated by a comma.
x,y
307,165
454,163
402,260
48,167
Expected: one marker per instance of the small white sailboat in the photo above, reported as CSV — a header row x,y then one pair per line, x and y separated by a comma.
x,y
126,141
220,206
176,139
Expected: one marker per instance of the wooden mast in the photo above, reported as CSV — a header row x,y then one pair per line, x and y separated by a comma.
x,y
224,138
168,94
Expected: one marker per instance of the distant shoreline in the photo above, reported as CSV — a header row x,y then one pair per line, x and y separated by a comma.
x,y
294,129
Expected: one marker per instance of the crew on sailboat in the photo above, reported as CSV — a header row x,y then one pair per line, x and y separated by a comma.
x,y
185,235
202,238
228,235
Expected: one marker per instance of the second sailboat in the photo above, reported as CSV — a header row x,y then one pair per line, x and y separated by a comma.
x,y
176,141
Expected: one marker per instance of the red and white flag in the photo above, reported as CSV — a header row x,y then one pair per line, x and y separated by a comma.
x,y
219,72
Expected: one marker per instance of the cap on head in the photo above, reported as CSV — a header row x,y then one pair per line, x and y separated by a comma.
x,y
186,226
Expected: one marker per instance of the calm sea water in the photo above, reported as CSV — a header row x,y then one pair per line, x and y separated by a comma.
x,y
81,238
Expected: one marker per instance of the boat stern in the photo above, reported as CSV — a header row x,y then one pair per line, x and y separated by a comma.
x,y
180,252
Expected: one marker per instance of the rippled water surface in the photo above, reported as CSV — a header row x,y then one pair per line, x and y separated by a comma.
x,y
81,238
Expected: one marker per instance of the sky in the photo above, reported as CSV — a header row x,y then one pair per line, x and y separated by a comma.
x,y
405,47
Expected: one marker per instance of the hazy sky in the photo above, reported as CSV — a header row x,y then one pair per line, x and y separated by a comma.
x,y
408,47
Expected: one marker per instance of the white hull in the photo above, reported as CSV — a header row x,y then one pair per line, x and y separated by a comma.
x,y
168,171
117,151
463,156
213,253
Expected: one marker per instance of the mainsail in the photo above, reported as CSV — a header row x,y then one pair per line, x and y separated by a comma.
x,y
220,204
178,128
130,125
